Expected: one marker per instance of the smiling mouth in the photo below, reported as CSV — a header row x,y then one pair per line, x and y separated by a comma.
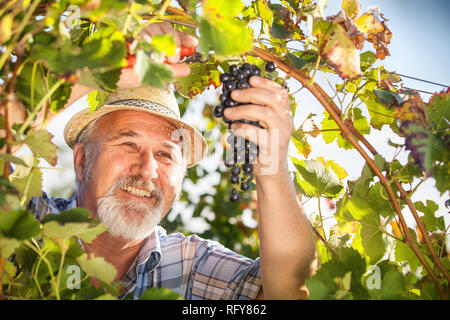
x,y
142,193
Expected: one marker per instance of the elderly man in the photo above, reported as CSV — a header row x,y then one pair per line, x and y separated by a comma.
x,y
130,161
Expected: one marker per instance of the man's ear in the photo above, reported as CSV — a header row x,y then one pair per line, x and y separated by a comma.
x,y
78,161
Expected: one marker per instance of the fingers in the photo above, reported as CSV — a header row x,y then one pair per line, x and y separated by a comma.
x,y
181,39
187,40
263,83
266,117
267,93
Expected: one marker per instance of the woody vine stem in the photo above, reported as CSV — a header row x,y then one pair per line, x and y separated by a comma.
x,y
350,133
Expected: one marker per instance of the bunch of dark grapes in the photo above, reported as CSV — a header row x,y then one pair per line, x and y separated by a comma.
x,y
245,152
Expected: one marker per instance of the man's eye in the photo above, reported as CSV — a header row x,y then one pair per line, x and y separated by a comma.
x,y
130,144
165,154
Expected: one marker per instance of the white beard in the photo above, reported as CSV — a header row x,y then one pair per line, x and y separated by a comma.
x,y
128,218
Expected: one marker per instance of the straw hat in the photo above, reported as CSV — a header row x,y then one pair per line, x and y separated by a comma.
x,y
161,102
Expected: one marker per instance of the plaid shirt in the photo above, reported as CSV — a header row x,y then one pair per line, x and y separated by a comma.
x,y
191,266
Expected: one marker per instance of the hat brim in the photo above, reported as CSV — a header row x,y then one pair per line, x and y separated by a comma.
x,y
194,144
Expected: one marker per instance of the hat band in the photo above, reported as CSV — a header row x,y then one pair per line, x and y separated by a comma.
x,y
145,104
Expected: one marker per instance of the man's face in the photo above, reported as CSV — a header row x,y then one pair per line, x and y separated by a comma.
x,y
136,172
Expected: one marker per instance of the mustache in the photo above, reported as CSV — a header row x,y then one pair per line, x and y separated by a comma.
x,y
136,181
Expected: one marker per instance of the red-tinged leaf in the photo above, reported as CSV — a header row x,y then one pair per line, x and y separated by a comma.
x,y
411,110
438,111
426,148
371,23
300,136
351,29
339,50
202,76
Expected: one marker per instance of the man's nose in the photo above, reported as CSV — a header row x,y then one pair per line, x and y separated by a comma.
x,y
147,165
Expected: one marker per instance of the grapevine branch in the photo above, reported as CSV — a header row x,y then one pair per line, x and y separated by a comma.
x,y
350,132
347,133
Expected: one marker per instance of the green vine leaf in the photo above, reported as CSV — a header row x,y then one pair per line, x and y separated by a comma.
x,y
18,224
404,253
323,285
220,31
432,223
98,268
72,223
27,179
160,294
380,115
152,73
40,143
438,112
315,180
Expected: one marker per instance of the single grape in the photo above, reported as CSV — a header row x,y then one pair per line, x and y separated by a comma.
x,y
271,66
218,111
256,71
243,84
234,70
229,85
223,98
245,185
234,179
230,103
235,170
234,197
249,176
225,77
241,76
247,168
251,147
246,66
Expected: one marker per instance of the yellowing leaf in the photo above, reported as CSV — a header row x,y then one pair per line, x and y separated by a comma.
x,y
371,23
265,13
221,9
351,8
411,110
164,43
380,115
6,27
339,50
337,169
201,77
